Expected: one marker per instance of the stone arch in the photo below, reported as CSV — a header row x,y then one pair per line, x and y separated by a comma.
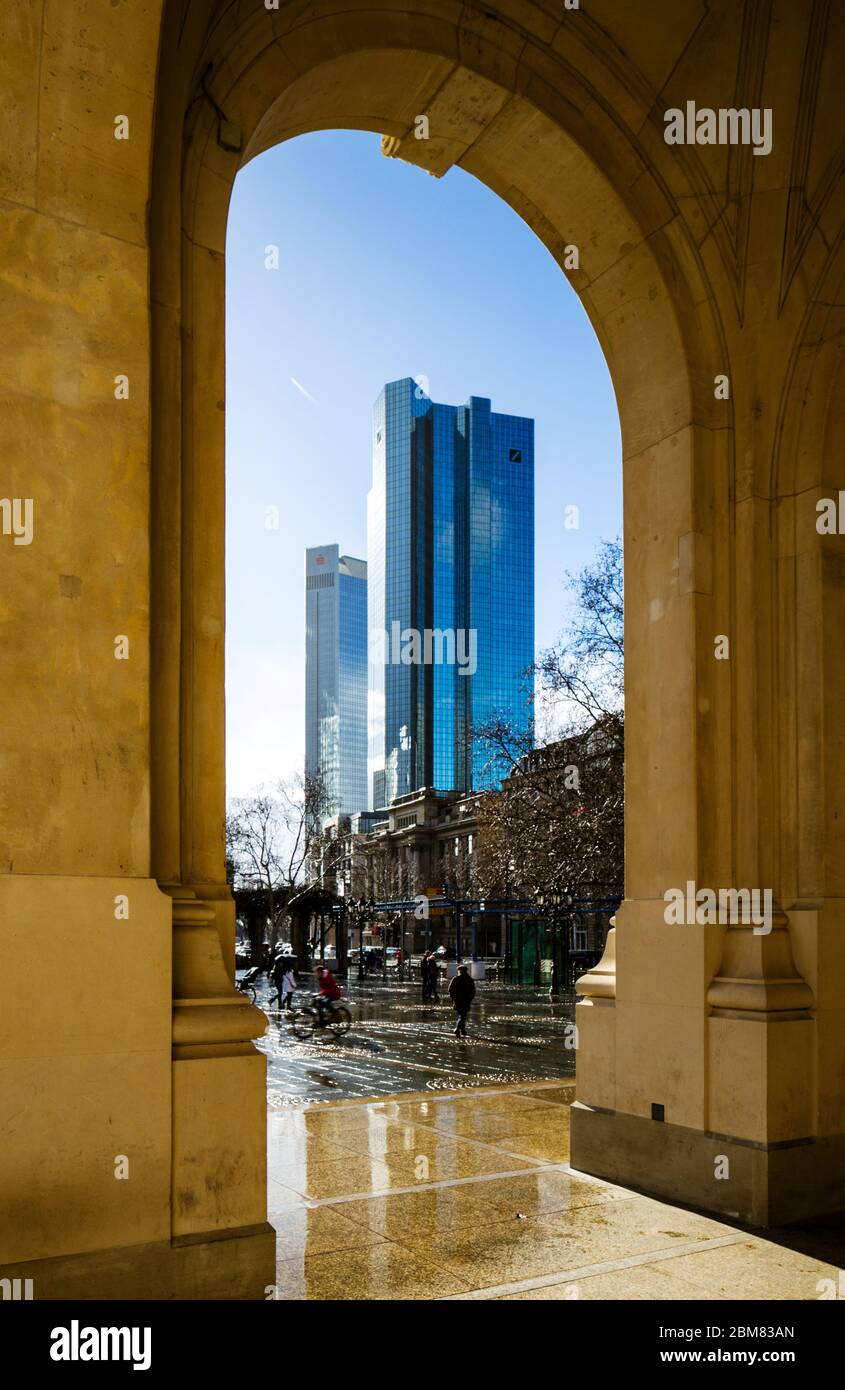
x,y
509,113
554,118
541,128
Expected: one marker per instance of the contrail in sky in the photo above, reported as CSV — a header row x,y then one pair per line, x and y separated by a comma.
x,y
300,387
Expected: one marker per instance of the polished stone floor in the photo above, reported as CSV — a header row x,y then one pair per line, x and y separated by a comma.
x,y
469,1195
397,1043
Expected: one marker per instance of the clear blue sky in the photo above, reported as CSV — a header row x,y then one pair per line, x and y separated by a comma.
x,y
384,272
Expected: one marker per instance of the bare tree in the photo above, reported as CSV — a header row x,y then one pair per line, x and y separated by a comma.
x,y
383,870
270,840
584,670
558,820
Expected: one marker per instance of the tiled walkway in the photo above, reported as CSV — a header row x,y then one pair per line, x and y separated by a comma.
x,y
470,1196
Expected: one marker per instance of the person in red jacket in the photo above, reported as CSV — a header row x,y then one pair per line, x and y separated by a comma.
x,y
328,987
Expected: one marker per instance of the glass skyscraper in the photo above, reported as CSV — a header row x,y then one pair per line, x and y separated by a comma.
x,y
336,676
450,540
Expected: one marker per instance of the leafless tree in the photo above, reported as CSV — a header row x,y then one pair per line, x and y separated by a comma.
x,y
270,841
558,820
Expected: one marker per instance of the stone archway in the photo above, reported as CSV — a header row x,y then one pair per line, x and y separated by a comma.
x,y
696,1011
694,262
537,135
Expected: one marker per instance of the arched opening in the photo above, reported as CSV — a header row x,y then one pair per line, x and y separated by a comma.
x,y
345,271
651,335
552,150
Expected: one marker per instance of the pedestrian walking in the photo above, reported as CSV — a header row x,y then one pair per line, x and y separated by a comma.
x,y
288,983
277,973
462,993
425,966
433,976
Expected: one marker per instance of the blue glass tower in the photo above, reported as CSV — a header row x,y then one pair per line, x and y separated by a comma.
x,y
336,676
451,589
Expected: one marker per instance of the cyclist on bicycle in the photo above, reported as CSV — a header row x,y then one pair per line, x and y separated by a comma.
x,y
329,990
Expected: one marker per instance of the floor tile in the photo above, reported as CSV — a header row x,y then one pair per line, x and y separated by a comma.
x,y
446,1156
378,1272
314,1231
756,1269
281,1198
337,1178
552,1095
643,1283
460,1229
420,1214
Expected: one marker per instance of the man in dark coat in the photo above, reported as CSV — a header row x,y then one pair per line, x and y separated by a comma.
x,y
462,993
425,979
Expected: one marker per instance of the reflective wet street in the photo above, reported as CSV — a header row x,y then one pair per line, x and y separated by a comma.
x,y
398,1044
459,1186
470,1196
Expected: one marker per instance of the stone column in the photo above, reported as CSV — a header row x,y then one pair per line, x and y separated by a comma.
x,y
219,1083
595,1018
760,1040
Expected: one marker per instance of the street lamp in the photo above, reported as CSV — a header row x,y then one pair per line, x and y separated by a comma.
x,y
552,900
540,900
358,910
369,913
555,900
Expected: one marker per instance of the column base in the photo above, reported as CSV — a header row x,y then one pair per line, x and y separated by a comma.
x,y
238,1264
767,1185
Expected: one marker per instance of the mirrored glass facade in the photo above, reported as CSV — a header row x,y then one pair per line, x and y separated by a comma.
x,y
451,588
336,676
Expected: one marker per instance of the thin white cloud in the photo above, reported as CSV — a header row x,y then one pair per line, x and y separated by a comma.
x,y
300,387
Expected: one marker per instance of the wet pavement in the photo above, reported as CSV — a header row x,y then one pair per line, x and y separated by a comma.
x,y
405,1164
470,1195
397,1044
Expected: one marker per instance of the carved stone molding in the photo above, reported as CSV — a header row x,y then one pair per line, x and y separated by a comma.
x,y
600,982
805,206
757,979
210,1017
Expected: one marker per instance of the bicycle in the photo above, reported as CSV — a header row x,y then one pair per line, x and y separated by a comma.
x,y
246,983
336,1019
